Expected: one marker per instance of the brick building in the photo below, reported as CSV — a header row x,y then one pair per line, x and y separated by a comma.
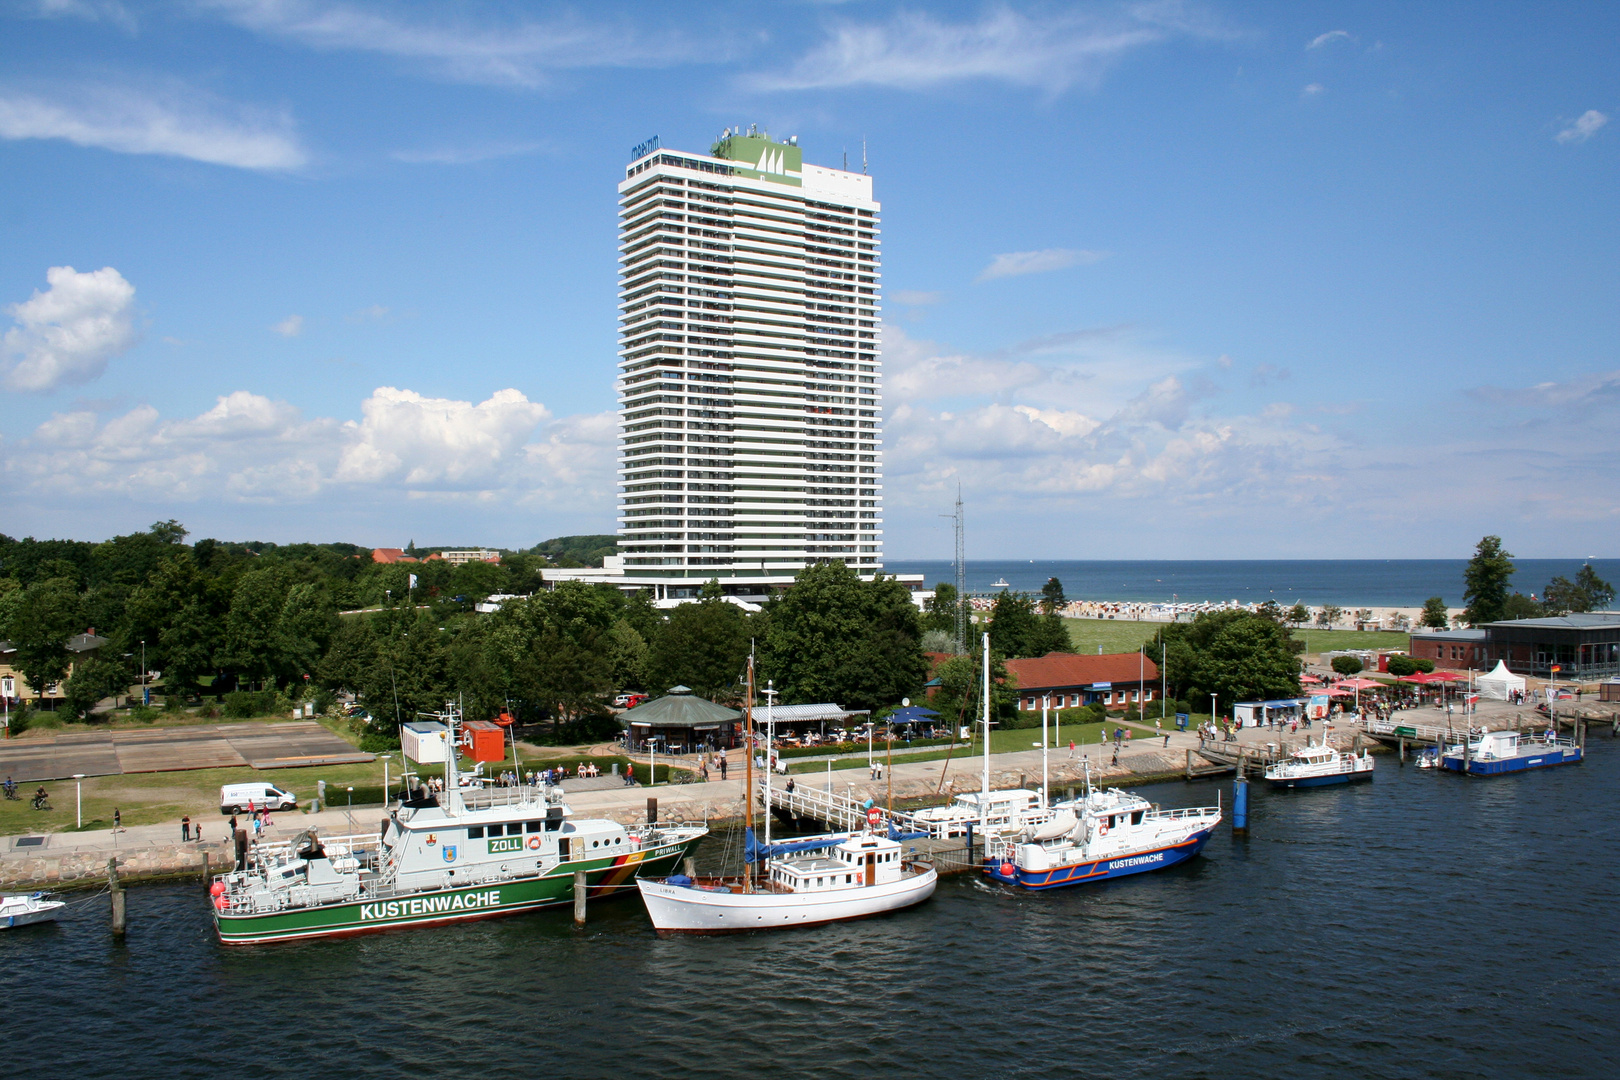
x,y
1070,680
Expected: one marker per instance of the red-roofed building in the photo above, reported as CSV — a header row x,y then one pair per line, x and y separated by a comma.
x,y
1069,680
390,555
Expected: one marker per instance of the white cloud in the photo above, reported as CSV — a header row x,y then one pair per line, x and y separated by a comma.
x,y
1332,35
1584,127
374,313
67,334
915,298
1015,263
248,448
291,326
1312,89
509,53
110,11
435,441
177,122
915,51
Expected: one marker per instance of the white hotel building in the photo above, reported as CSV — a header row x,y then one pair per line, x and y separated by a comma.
x,y
750,380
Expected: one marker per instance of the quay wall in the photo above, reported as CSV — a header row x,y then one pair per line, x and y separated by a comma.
x,y
88,868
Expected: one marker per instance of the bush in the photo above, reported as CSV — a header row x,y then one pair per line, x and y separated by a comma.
x,y
1347,665
1401,666
1424,664
324,700
143,714
44,719
242,704
21,718
378,744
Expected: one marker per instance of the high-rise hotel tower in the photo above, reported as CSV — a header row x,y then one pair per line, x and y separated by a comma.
x,y
750,384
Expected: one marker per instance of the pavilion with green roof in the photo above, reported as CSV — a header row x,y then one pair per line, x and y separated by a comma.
x,y
680,720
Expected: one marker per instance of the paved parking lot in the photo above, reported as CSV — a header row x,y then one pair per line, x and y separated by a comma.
x,y
202,746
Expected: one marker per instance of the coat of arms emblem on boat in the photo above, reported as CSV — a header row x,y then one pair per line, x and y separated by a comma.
x,y
449,853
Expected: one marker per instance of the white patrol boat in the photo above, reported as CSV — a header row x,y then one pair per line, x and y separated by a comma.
x,y
805,883
22,909
1104,834
439,858
1318,766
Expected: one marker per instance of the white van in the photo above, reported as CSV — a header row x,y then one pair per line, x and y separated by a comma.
x,y
234,798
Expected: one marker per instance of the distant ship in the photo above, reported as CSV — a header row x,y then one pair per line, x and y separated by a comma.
x,y
1001,583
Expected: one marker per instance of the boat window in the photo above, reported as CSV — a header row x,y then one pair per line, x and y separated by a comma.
x,y
533,826
846,879
595,842
475,832
1136,817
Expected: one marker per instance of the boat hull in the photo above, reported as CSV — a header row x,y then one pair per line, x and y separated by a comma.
x,y
687,909
44,913
1474,767
1115,866
1320,781
438,907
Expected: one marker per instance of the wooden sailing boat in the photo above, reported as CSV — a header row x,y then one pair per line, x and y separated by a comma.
x,y
806,882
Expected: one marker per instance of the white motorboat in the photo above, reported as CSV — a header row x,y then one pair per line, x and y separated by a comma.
x,y
1318,766
21,909
1000,811
823,880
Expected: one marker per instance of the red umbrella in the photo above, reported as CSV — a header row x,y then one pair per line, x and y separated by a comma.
x,y
1360,684
1448,676
1422,677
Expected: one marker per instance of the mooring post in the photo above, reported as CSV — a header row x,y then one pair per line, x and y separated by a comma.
x,y
1189,763
116,892
970,843
580,892
689,867
1403,749
1240,805
652,811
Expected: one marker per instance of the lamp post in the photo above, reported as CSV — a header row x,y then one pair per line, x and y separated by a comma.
x,y
351,809
78,796
146,694
1212,708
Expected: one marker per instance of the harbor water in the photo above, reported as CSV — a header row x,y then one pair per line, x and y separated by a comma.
x,y
1345,582
1423,925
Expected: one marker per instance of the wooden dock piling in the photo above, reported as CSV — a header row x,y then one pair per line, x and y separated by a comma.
x,y
580,893
115,891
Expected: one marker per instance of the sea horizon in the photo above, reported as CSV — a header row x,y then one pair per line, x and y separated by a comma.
x,y
1343,582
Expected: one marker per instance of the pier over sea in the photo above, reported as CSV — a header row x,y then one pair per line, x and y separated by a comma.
x,y
64,859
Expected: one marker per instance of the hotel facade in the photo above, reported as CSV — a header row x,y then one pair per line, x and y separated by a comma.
x,y
749,371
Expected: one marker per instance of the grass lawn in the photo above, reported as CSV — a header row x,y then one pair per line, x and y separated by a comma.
x,y
1117,635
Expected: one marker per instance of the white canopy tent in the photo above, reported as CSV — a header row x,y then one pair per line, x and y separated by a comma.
x,y
1499,684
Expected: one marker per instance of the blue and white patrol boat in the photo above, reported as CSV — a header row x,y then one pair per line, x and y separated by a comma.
x,y
1104,834
1497,752
1318,766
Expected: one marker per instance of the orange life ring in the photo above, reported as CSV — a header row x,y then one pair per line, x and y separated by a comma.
x,y
534,843
1102,830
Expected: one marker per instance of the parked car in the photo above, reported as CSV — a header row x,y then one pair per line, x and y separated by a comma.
x,y
236,798
629,700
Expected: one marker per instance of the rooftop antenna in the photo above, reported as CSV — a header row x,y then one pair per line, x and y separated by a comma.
x,y
863,155
846,159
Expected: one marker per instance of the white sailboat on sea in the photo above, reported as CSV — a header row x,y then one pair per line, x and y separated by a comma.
x,y
806,882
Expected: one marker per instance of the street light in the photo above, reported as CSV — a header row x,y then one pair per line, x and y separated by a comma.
x,y
1212,708
351,809
146,695
78,796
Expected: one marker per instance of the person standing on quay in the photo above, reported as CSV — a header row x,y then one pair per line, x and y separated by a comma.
x,y
185,829
118,820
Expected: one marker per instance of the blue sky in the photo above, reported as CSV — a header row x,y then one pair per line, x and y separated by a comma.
x,y
1172,280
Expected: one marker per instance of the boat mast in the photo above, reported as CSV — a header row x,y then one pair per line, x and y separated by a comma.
x,y
984,796
748,773
1045,700
770,740
452,775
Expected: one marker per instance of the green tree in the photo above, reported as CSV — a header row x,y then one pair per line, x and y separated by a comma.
x,y
1013,623
1587,592
1051,634
703,646
1435,615
253,622
628,656
1239,655
1052,598
1485,582
833,637
1401,666
960,699
303,630
1299,615
94,678
942,610
1328,614
1520,606
40,625
1347,665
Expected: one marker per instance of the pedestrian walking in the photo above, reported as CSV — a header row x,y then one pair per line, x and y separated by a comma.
x,y
722,765
185,829
1071,748
118,820
630,774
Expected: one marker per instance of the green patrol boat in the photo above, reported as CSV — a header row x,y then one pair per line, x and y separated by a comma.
x,y
440,858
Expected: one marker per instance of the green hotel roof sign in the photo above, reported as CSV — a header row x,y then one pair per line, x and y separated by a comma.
x,y
758,158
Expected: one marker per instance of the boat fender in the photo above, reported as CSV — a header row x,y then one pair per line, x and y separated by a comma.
x,y
221,903
1008,869
217,889
534,843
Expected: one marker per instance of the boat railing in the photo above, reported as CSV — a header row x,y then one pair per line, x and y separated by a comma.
x,y
1183,813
